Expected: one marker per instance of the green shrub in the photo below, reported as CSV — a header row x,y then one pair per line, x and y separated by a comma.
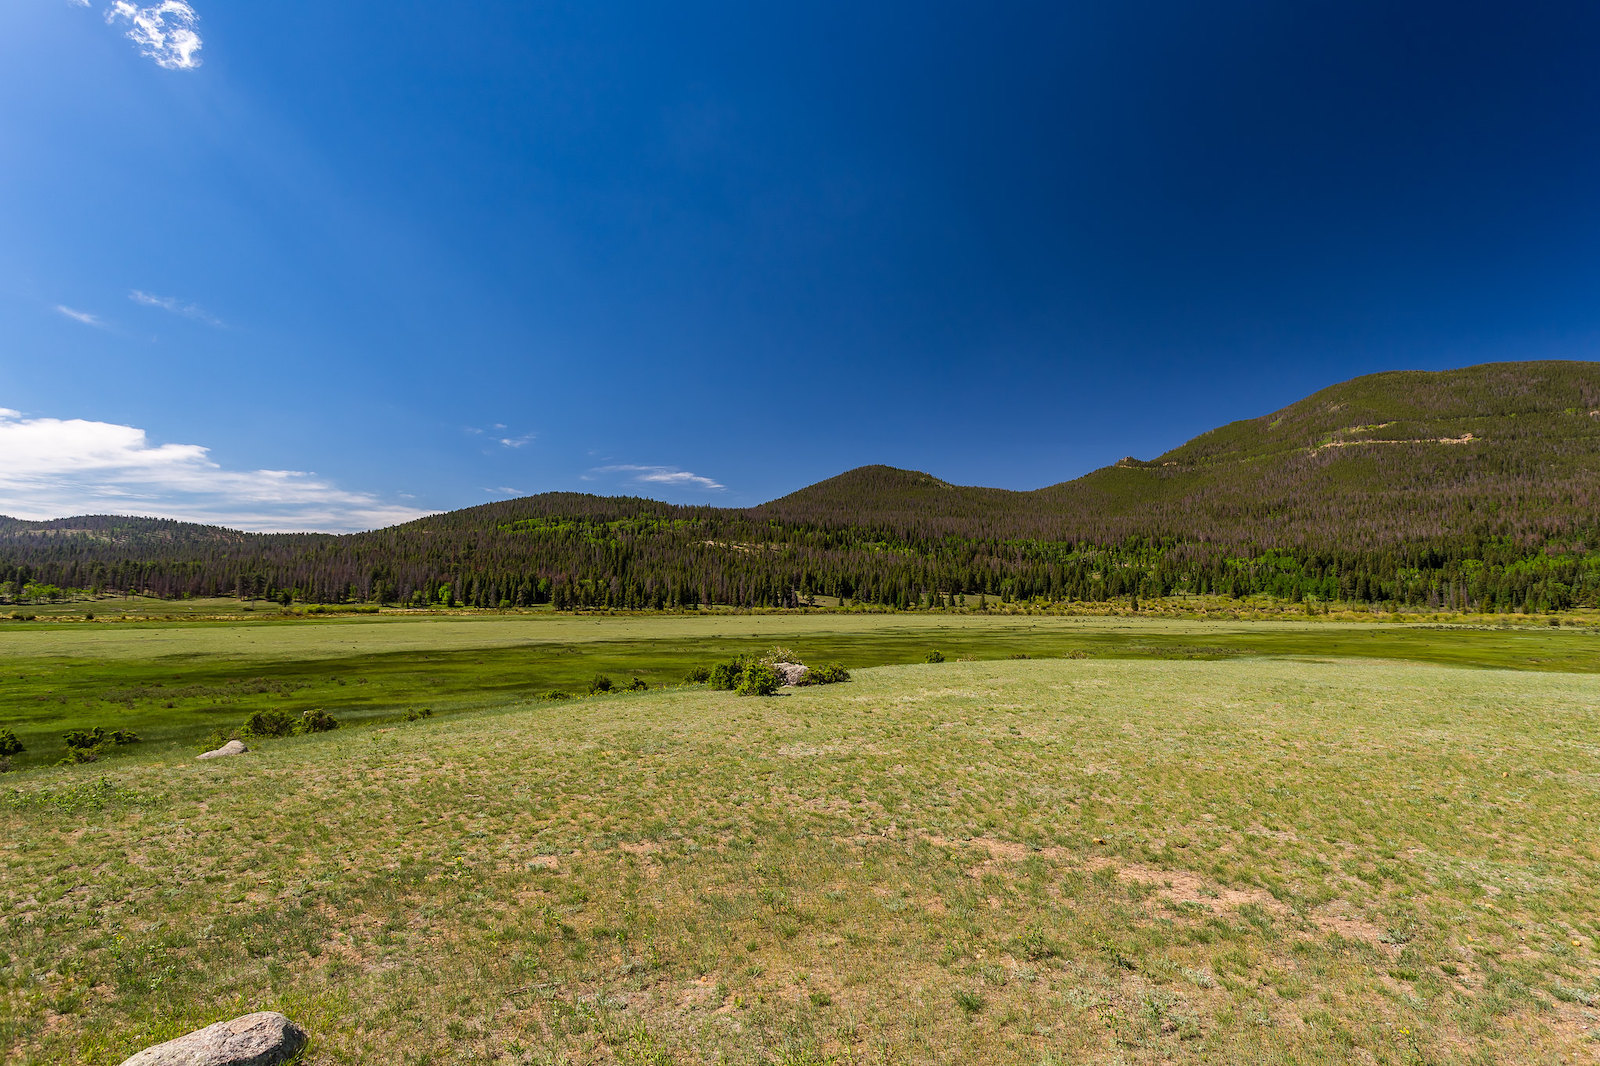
x,y
418,714
97,738
934,657
827,674
601,683
758,679
316,721
698,676
637,685
557,694
725,676
9,744
268,724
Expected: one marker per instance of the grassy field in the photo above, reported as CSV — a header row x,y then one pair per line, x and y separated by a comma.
x,y
1084,860
177,682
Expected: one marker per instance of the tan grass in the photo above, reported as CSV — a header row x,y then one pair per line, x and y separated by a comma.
x,y
1011,862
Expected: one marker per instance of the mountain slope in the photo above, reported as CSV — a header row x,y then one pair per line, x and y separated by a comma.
x,y
1479,485
1499,450
898,501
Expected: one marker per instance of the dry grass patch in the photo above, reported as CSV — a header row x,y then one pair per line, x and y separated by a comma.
x,y
1026,862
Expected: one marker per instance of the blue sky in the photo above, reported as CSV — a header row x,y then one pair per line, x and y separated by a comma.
x,y
311,265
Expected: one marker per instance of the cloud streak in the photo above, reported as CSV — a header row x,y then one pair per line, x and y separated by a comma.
x,y
164,32
55,468
662,475
175,306
497,433
79,316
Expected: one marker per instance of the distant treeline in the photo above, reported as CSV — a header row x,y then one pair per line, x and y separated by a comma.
x,y
628,553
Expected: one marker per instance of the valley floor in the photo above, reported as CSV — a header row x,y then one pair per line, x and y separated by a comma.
x,y
184,685
1319,859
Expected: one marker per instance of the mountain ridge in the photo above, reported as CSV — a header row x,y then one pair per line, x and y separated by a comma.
x,y
1205,449
1418,480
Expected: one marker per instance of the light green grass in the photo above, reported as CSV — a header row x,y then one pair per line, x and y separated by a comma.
x,y
273,639
176,683
1246,861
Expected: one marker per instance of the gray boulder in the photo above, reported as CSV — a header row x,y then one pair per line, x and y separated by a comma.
x,y
232,747
792,673
266,1038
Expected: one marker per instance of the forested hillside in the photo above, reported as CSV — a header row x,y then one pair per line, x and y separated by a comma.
x,y
1471,488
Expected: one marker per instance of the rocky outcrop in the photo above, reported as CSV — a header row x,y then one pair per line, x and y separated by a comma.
x,y
232,747
266,1038
792,673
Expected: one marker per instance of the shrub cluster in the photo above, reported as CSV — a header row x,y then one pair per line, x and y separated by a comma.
x,y
758,679
601,684
417,714
757,676
724,676
826,674
316,721
268,724
85,745
9,744
275,723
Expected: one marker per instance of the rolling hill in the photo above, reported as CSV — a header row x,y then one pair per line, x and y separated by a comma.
x,y
1472,487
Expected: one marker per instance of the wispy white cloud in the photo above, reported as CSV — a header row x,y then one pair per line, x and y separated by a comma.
x,y
505,490
79,316
497,433
54,468
662,475
165,32
174,305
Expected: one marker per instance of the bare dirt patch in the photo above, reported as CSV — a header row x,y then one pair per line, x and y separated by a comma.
x,y
1183,888
1465,438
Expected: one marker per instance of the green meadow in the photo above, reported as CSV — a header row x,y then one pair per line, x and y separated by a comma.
x,y
177,682
1147,842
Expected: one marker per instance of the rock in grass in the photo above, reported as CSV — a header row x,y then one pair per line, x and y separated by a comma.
x,y
262,1039
791,673
232,747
